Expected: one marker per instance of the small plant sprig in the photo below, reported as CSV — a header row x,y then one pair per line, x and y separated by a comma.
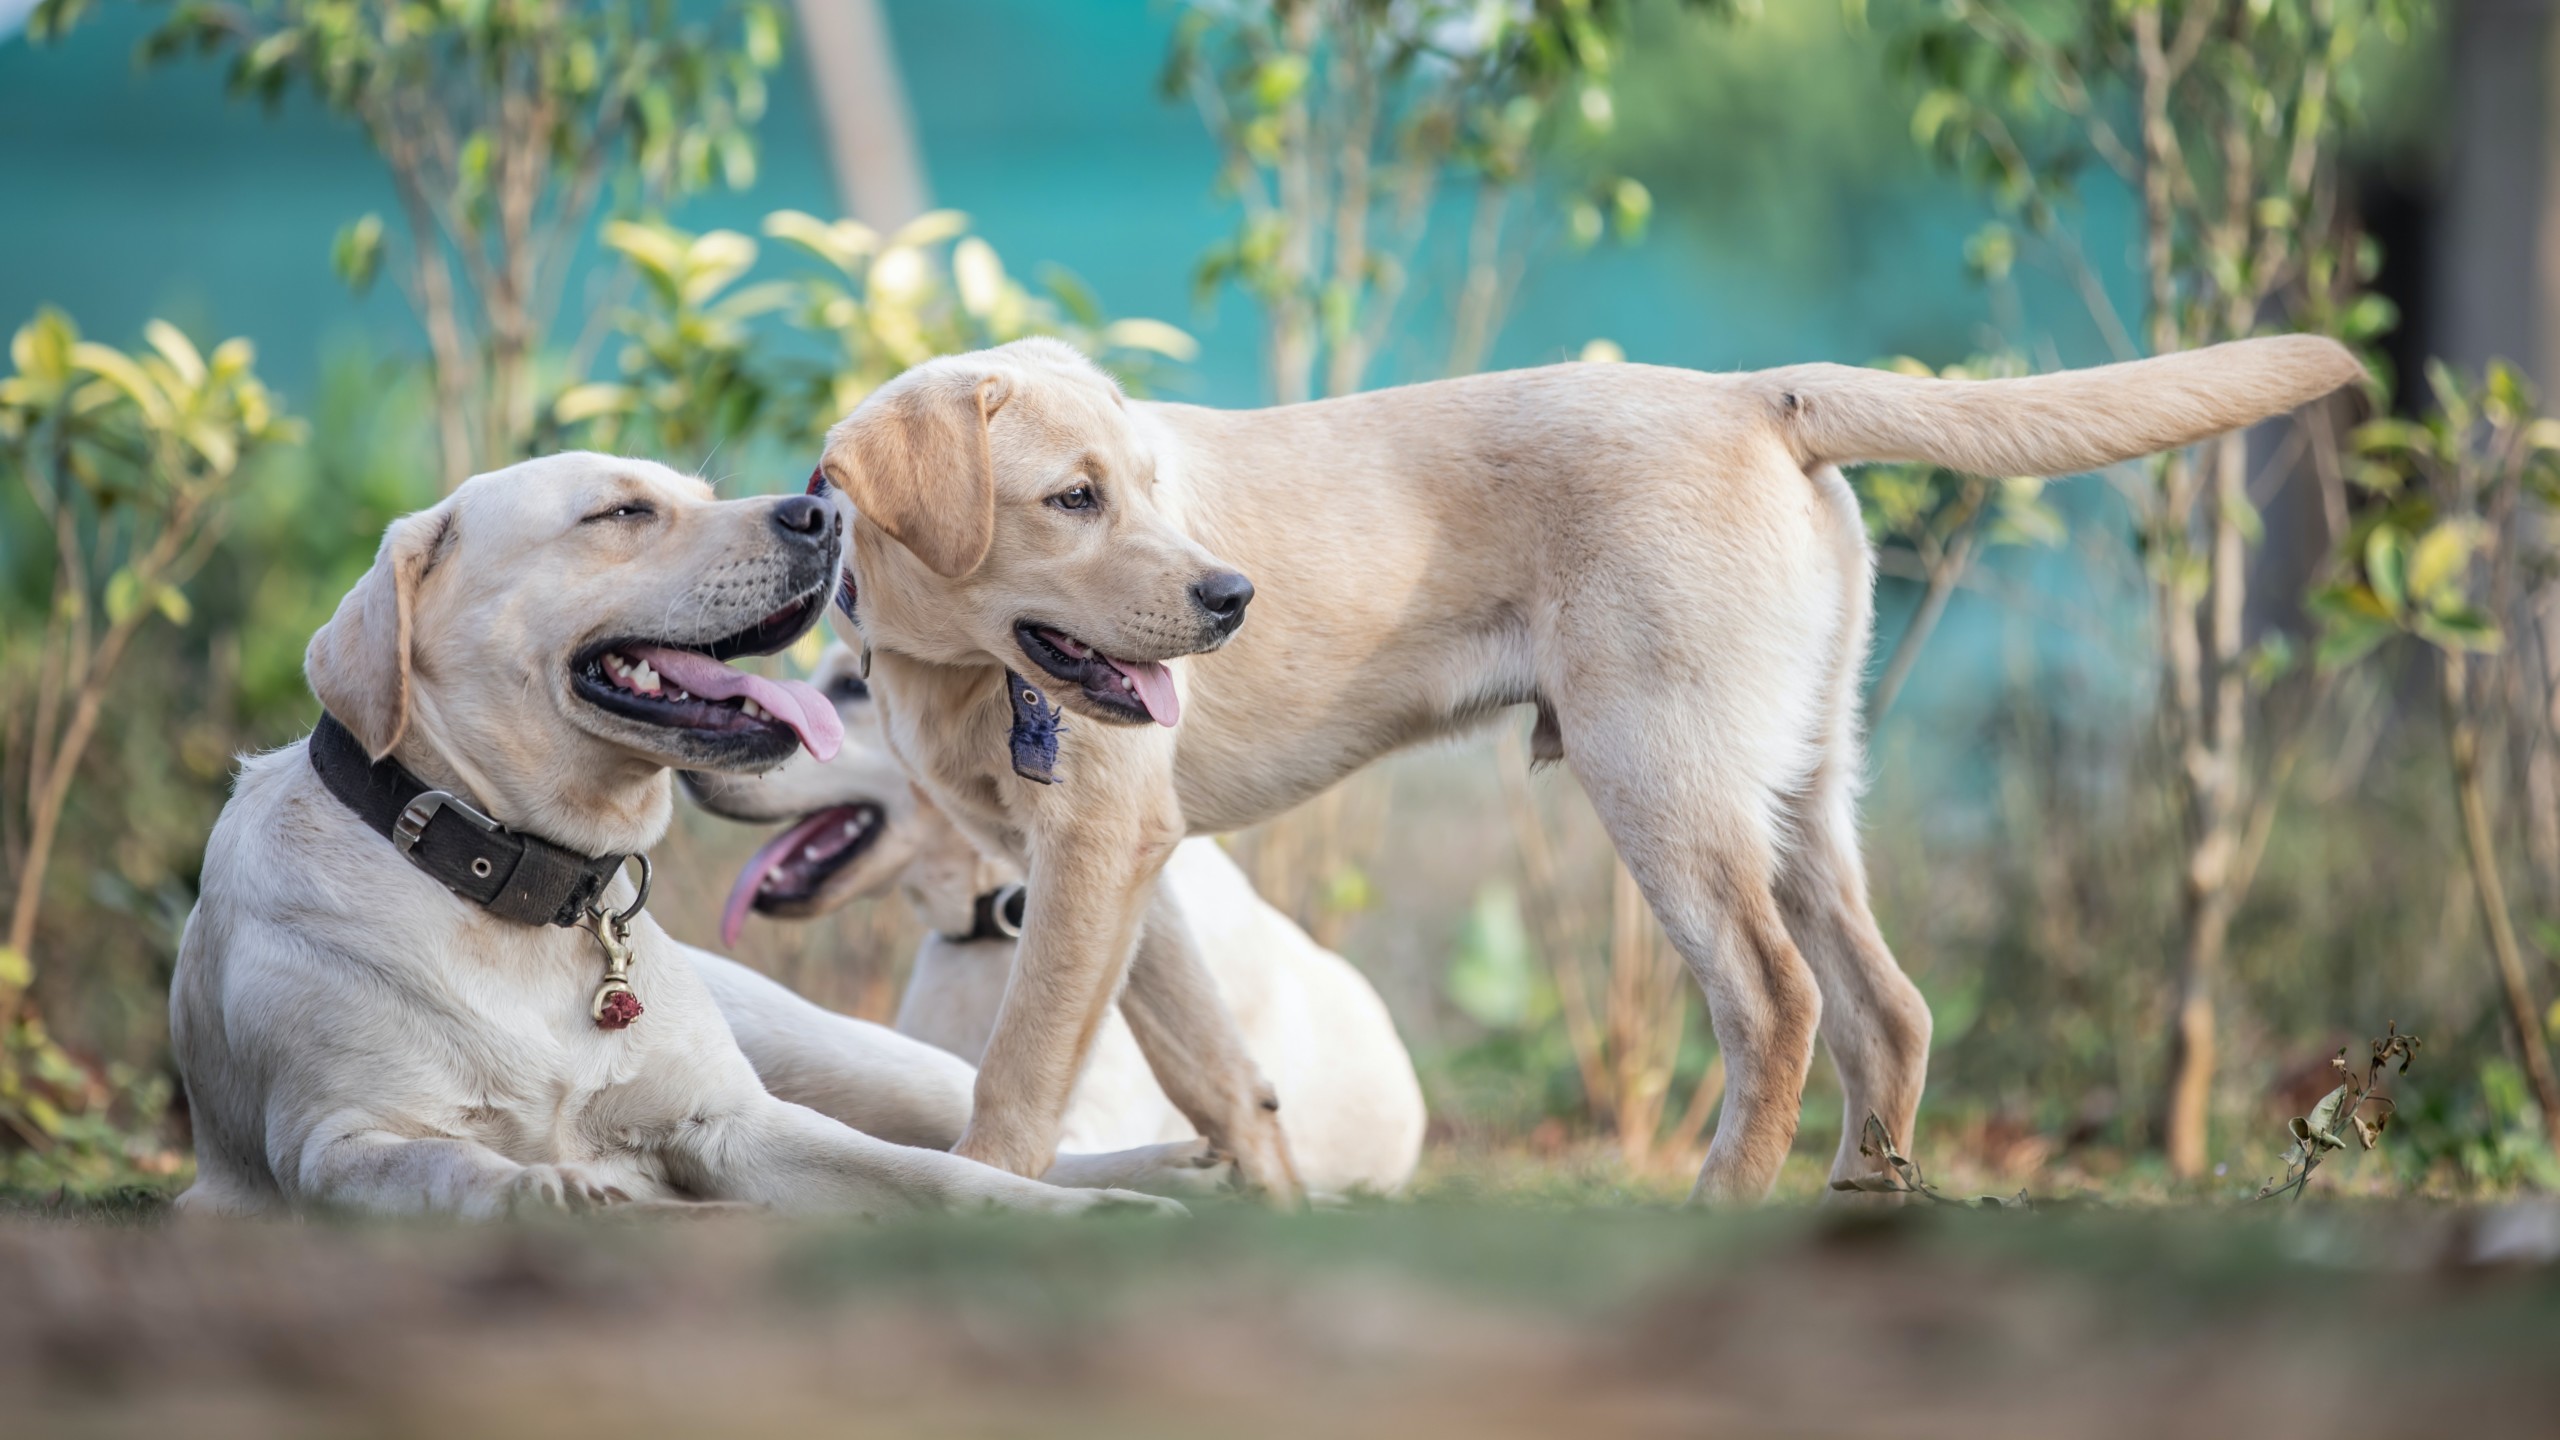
x,y
2340,1113
1901,1175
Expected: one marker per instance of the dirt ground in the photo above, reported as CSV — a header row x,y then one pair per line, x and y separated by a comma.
x,y
1416,1320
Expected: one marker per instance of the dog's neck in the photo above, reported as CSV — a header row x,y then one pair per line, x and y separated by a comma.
x,y
944,880
617,805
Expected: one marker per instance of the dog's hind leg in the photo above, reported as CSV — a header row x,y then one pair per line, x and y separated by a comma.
x,y
1874,1021
1701,847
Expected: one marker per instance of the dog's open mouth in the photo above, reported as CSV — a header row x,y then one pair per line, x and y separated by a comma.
x,y
689,688
1135,691
793,865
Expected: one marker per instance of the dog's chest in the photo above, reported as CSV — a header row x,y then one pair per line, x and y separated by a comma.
x,y
541,1082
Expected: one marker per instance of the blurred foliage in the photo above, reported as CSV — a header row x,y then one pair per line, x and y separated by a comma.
x,y
1338,122
127,460
504,124
2468,532
2226,120
1940,520
699,371
2448,489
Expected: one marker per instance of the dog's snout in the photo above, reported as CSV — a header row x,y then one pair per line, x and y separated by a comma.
x,y
801,518
1224,594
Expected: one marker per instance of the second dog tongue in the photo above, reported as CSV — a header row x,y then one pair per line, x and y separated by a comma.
x,y
1155,688
795,703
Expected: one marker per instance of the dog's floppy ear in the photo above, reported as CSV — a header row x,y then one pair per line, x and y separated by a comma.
x,y
358,663
917,464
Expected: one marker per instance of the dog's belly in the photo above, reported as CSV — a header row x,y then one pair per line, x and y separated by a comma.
x,y
1244,759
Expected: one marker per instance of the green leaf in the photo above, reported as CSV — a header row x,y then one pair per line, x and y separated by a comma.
x,y
124,595
585,402
2461,629
764,37
356,255
16,974
2505,397
978,275
2439,559
2391,435
1991,252
1151,335
930,228
2324,1120
2344,642
1936,110
1279,79
2367,319
177,349
127,378
2386,564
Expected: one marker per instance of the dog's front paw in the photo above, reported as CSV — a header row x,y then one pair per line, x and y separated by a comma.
x,y
539,1189
1191,1168
1096,1202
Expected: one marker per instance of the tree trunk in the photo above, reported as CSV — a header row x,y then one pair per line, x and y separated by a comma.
x,y
2213,763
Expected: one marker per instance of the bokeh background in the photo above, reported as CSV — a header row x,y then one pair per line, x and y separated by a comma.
x,y
2076,860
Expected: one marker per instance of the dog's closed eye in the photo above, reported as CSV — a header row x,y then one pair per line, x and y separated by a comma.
x,y
623,510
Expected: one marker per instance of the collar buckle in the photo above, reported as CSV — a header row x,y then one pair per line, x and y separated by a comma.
x,y
411,826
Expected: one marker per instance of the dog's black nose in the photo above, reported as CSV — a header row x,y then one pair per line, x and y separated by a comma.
x,y
1224,594
802,517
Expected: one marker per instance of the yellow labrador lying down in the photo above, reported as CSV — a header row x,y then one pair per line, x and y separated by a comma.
x,y
1312,1022
1667,565
419,979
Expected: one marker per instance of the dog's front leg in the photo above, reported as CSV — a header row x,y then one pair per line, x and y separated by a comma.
x,y
375,1171
1088,883
1198,1054
793,1159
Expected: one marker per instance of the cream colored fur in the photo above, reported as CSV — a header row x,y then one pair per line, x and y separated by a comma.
x,y
1667,564
352,1035
1311,1021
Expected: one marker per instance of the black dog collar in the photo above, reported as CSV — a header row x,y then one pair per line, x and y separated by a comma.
x,y
514,876
997,916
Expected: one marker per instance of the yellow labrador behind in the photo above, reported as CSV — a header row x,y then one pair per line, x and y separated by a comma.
x,y
1667,565
404,989
853,827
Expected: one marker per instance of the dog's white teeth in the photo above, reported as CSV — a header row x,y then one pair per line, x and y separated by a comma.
x,y
643,676
671,694
809,851
852,828
755,711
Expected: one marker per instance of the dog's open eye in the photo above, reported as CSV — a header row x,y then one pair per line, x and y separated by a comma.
x,y
1079,497
847,688
623,510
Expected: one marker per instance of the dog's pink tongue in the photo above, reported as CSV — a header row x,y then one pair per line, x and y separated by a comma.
x,y
795,703
1155,689
742,896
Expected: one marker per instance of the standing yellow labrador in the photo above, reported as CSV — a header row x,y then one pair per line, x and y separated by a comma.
x,y
1668,565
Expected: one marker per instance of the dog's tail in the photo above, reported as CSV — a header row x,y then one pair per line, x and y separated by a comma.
x,y
2058,424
